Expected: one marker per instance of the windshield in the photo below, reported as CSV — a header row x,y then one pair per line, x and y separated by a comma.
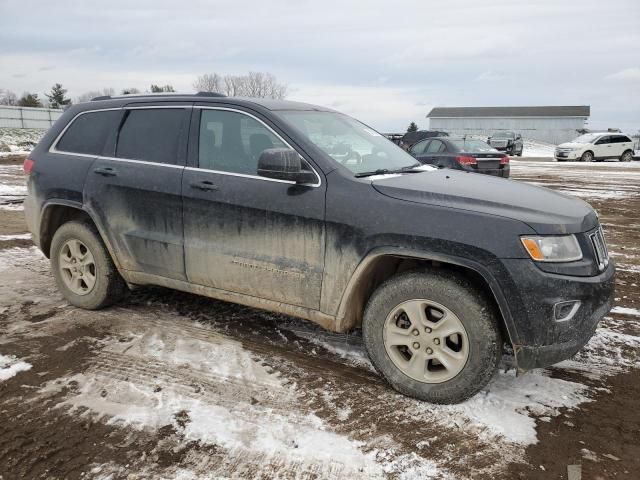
x,y
472,145
348,142
586,138
503,135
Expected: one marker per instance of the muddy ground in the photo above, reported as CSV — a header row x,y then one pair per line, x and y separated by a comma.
x,y
171,385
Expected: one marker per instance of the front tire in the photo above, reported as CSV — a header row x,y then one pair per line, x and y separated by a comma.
x,y
83,269
587,157
432,336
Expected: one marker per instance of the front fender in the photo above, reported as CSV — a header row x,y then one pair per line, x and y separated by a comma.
x,y
490,276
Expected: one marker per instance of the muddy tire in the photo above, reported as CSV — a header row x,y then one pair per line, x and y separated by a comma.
x,y
432,336
83,269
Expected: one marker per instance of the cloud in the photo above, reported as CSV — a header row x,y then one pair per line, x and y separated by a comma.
x,y
626,75
387,66
489,76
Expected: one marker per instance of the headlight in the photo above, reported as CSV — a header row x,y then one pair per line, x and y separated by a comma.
x,y
564,248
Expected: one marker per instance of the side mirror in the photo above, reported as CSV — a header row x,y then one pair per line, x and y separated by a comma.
x,y
284,164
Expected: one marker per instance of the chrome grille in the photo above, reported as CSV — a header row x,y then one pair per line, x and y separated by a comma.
x,y
600,247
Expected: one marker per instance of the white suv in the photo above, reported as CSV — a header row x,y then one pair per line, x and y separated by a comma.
x,y
596,146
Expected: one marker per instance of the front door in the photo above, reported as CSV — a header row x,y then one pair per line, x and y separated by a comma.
x,y
245,233
135,190
602,147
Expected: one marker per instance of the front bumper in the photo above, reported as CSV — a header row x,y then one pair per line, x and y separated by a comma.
x,y
539,340
564,156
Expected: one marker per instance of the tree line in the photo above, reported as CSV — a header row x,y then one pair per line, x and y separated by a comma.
x,y
253,84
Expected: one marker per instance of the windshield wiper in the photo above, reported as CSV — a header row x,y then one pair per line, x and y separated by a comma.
x,y
383,171
380,171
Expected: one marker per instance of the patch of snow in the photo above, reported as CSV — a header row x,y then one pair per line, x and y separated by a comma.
x,y
626,311
507,407
266,424
10,366
22,236
13,190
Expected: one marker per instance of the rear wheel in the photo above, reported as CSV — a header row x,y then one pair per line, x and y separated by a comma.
x,y
627,156
587,157
83,269
432,336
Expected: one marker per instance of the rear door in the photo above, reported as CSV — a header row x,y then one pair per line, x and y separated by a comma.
x,y
135,189
245,233
621,144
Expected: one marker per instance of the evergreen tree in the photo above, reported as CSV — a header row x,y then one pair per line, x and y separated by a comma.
x,y
412,127
29,100
57,97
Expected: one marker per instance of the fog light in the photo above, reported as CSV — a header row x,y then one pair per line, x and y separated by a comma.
x,y
564,311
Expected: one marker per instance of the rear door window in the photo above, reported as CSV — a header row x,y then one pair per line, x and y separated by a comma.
x,y
89,132
152,135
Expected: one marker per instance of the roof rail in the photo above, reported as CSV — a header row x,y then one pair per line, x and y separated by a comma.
x,y
209,94
159,94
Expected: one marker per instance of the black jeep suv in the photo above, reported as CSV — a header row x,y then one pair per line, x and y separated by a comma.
x,y
299,209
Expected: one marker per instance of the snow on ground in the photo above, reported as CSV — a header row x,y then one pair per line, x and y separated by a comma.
x,y
10,366
212,390
20,141
626,311
22,236
535,149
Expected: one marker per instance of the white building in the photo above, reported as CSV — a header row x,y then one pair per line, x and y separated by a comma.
x,y
554,124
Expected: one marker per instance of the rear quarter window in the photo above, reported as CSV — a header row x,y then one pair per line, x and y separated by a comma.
x,y
88,132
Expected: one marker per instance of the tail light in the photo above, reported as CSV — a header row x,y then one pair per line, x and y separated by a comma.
x,y
466,160
504,160
28,165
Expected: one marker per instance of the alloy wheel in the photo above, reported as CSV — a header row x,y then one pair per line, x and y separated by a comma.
x,y
426,341
77,267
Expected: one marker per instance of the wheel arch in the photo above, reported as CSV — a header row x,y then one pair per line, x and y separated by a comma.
x,y
382,263
56,213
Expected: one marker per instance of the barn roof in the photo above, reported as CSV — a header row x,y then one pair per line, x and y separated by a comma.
x,y
548,111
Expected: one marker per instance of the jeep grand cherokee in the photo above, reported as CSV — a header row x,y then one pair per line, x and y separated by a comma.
x,y
299,209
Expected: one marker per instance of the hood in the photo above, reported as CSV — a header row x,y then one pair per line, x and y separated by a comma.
x,y
544,210
572,145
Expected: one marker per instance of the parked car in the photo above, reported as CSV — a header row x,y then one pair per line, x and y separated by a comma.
x,y
462,154
509,142
411,138
250,201
596,147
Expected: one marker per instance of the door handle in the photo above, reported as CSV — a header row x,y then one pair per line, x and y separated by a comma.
x,y
204,185
105,172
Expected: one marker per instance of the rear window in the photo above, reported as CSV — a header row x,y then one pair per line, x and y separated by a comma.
x,y
89,132
152,135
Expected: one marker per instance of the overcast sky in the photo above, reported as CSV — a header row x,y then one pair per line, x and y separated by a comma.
x,y
387,63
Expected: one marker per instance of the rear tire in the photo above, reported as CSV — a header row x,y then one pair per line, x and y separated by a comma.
x,y
470,354
83,268
626,156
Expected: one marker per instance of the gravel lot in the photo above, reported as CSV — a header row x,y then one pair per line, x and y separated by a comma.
x,y
171,385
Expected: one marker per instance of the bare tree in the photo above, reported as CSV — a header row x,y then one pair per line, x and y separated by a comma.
x,y
130,91
209,82
91,94
254,84
7,97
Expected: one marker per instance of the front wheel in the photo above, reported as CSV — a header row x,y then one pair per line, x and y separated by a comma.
x,y
83,269
432,336
587,157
